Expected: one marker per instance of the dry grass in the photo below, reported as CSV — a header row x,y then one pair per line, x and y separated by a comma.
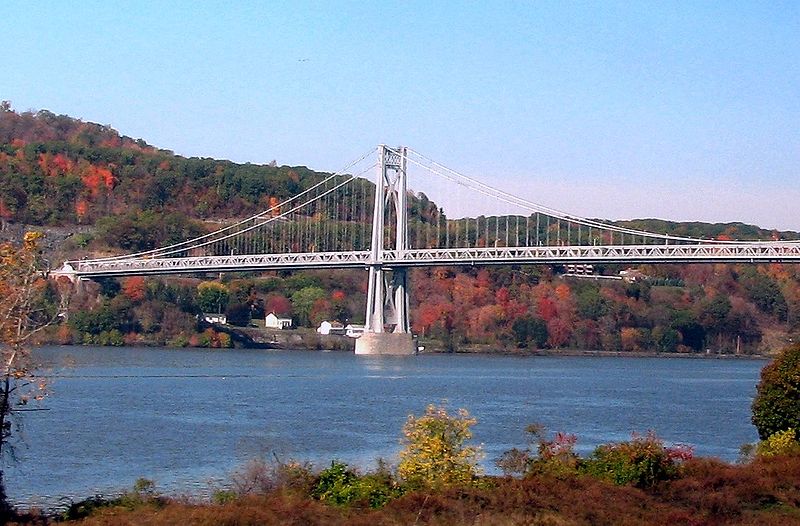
x,y
708,492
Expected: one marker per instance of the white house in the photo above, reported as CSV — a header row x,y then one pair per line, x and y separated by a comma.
x,y
353,330
273,322
215,318
331,327
632,275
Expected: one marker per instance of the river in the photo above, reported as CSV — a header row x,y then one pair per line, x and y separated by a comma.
x,y
186,418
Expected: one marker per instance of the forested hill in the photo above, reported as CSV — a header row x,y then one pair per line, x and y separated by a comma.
x,y
56,170
59,171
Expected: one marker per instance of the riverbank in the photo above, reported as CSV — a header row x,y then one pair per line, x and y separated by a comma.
x,y
606,354
704,492
308,339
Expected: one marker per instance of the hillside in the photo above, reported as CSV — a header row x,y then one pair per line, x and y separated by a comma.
x,y
97,192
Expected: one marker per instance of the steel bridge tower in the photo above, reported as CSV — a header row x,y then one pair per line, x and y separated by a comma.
x,y
387,329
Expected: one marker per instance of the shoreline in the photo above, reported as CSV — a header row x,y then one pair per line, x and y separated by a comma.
x,y
307,339
613,354
341,344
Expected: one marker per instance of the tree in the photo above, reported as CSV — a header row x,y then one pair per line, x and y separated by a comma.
x,y
666,339
26,307
277,303
530,329
134,288
238,314
434,454
776,406
303,302
590,304
765,293
212,296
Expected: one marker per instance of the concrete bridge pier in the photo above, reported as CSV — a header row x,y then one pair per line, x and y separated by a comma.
x,y
386,344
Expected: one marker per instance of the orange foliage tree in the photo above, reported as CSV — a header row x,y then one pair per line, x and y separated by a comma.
x,y
24,310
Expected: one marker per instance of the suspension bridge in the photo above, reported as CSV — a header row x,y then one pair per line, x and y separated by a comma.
x,y
417,212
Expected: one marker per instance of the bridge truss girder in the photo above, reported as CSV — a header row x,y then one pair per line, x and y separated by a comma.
x,y
391,259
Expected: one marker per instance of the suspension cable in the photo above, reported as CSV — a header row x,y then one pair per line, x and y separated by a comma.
x,y
476,185
187,245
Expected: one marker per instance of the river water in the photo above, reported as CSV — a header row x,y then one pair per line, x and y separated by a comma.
x,y
187,418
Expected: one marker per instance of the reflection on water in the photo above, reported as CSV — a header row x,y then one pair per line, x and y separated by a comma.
x,y
186,418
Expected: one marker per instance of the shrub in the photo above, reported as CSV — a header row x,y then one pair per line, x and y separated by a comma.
x,y
84,508
337,484
256,477
780,443
643,461
260,477
555,456
225,341
435,454
776,406
142,494
223,496
514,461
179,341
342,486
295,475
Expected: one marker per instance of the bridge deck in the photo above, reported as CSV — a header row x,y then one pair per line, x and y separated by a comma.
x,y
623,254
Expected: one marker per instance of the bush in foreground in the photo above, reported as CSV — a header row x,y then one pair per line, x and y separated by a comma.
x,y
555,456
341,485
779,444
435,454
776,406
643,461
143,494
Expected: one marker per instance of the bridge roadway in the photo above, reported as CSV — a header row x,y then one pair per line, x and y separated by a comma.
x,y
754,252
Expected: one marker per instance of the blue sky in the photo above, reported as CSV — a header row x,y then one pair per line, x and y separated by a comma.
x,y
677,110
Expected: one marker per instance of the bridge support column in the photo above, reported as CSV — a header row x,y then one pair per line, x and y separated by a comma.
x,y
387,329
386,343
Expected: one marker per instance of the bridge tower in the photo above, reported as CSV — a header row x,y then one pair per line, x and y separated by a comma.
x,y
387,329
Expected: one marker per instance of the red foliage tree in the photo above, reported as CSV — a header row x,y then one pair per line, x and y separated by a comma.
x,y
134,288
278,304
338,295
546,309
81,207
559,333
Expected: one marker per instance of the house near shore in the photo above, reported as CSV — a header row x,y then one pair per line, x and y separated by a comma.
x,y
331,327
215,318
353,330
632,275
272,321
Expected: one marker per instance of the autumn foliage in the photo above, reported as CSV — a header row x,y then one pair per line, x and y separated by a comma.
x,y
128,196
435,452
